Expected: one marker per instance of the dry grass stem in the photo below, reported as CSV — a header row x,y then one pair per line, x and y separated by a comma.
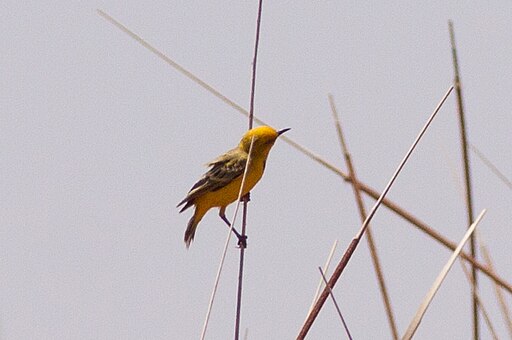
x,y
362,214
254,63
467,173
491,166
171,62
413,326
481,306
499,293
335,304
402,164
246,198
325,269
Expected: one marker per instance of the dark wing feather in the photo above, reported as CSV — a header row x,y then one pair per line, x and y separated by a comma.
x,y
223,170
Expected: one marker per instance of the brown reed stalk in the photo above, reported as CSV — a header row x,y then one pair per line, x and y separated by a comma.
x,y
362,214
246,198
355,241
335,303
368,190
467,174
254,62
499,294
485,314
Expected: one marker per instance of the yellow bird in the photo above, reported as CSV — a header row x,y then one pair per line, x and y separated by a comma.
x,y
220,186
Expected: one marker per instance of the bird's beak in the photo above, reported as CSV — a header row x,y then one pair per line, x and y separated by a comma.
x,y
280,132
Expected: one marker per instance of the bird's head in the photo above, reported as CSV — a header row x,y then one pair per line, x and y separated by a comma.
x,y
264,138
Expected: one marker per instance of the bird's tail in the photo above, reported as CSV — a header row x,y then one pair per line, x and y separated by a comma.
x,y
191,229
192,224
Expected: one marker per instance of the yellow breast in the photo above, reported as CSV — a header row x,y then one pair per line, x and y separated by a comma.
x,y
229,193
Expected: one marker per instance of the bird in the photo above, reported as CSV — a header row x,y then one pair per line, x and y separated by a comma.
x,y
220,185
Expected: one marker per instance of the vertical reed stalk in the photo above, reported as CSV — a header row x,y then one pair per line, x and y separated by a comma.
x,y
246,198
487,319
467,175
499,294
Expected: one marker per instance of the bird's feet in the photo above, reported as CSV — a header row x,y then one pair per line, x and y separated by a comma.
x,y
242,241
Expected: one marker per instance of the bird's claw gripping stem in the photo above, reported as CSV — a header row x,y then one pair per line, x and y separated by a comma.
x,y
242,239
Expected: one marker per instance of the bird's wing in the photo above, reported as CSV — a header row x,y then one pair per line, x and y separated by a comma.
x,y
223,170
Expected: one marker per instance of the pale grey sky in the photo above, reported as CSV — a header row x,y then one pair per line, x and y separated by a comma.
x,y
100,140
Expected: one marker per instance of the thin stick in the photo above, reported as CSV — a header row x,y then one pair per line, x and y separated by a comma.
x,y
491,166
335,304
467,175
245,200
326,268
397,171
353,245
499,294
485,314
254,62
169,61
368,190
223,257
362,214
247,197
413,326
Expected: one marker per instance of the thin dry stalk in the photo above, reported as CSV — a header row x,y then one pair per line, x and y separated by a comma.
x,y
368,190
245,201
491,166
335,304
246,197
467,174
353,245
254,62
499,293
362,214
481,305
223,257
413,326
325,269
402,164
